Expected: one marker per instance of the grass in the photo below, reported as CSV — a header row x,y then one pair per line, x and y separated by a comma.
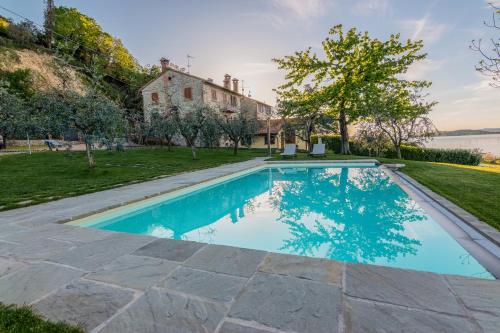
x,y
44,176
22,320
474,188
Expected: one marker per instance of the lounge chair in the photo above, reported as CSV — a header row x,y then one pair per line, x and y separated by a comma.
x,y
53,144
290,150
318,150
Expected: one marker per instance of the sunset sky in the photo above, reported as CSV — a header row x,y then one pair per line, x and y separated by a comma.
x,y
241,37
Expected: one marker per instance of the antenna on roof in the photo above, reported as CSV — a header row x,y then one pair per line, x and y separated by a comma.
x,y
243,87
189,63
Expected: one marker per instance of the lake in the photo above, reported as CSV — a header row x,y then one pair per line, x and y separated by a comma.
x,y
488,143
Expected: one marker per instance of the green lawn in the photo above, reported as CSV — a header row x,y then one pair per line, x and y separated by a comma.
x,y
22,320
44,176
475,189
31,179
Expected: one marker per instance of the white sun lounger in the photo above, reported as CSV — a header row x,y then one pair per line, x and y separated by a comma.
x,y
290,150
318,150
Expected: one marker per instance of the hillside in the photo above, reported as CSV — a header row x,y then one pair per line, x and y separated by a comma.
x,y
46,73
469,132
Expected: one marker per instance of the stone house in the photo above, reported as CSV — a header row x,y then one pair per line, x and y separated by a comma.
x,y
174,86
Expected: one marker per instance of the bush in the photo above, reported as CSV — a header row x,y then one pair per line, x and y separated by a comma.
x,y
332,141
457,156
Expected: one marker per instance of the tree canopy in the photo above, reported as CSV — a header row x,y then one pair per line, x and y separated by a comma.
x,y
352,65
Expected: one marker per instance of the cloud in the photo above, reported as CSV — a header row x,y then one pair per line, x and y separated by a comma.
x,y
281,13
302,9
471,106
480,91
421,70
368,7
425,29
495,3
258,68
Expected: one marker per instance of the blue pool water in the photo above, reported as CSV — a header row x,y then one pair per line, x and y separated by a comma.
x,y
353,214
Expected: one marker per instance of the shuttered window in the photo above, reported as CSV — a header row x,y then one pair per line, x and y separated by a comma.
x,y
234,101
155,98
188,93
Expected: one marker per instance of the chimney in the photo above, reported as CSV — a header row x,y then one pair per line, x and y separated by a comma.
x,y
235,85
227,81
165,64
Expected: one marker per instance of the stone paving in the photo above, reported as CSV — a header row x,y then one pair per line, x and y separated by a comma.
x,y
117,282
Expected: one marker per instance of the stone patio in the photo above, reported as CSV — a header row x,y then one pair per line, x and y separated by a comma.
x,y
116,282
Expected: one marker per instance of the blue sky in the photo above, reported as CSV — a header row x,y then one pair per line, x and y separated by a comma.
x,y
241,37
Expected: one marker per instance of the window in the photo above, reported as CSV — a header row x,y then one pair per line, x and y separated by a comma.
x,y
214,95
234,101
225,98
155,98
273,139
188,93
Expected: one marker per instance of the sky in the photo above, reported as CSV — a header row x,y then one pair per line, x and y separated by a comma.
x,y
240,37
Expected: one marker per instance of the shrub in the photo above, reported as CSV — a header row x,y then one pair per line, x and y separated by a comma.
x,y
332,141
457,156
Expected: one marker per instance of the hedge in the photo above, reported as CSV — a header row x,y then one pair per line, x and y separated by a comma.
x,y
332,141
456,156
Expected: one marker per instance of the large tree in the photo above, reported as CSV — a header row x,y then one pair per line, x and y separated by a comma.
x,y
352,65
402,113
489,65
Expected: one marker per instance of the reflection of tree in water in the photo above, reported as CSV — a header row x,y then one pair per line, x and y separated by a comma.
x,y
362,215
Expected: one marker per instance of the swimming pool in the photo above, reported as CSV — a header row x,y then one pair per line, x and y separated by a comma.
x,y
354,213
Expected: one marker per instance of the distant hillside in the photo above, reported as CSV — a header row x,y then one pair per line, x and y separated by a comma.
x,y
470,132
493,130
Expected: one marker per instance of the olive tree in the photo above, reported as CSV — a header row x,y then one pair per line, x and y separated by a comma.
x,y
163,127
94,117
211,132
12,115
190,124
238,128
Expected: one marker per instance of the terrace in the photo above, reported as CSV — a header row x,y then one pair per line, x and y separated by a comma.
x,y
120,282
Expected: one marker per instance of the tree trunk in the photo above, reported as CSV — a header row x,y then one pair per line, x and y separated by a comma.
x,y
398,151
90,155
344,133
235,149
4,142
193,151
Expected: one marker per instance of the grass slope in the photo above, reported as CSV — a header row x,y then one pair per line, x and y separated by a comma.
x,y
40,177
22,320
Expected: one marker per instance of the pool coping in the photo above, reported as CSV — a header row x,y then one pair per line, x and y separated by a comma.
x,y
34,244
